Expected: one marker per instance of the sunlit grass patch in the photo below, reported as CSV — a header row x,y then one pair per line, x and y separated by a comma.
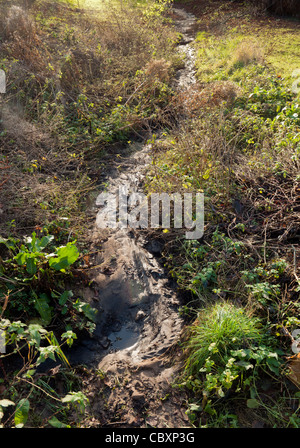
x,y
274,46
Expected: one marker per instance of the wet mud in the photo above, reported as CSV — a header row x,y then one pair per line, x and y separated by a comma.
x,y
139,323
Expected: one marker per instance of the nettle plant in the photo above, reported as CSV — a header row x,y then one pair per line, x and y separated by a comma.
x,y
32,255
38,315
30,271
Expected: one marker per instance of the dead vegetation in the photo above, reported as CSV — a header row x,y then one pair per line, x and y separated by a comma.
x,y
247,52
196,99
76,85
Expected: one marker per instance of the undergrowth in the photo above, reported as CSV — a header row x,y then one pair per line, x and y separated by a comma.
x,y
239,144
80,86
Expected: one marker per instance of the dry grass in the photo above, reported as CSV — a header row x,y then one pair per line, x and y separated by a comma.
x,y
38,183
196,99
247,52
22,40
158,69
18,22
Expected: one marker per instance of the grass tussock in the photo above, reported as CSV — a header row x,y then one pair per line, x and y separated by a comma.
x,y
223,326
247,52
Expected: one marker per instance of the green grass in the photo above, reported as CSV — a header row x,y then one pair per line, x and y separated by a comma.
x,y
228,351
220,328
276,42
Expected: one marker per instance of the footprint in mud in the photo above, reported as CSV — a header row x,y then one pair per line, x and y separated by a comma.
x,y
124,339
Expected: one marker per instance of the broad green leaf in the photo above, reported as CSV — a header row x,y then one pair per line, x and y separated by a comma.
x,y
252,403
30,241
21,414
35,336
29,259
41,244
57,424
36,327
86,309
273,365
10,243
29,373
70,336
37,245
64,297
31,266
66,255
195,407
245,364
43,308
21,258
47,352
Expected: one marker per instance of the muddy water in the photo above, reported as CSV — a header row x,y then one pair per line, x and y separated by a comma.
x,y
138,316
184,23
137,306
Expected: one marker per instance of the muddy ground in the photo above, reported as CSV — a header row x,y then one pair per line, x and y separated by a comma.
x,y
134,357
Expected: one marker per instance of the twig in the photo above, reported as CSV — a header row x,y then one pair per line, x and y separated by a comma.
x,y
295,265
5,304
265,243
8,280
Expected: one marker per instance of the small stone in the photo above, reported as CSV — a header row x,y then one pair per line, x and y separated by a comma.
x,y
138,397
139,315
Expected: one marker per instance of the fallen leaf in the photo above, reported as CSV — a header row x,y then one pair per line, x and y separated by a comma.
x,y
252,403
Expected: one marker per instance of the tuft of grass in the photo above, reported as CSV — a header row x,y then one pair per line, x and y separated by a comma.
x,y
245,53
223,327
228,351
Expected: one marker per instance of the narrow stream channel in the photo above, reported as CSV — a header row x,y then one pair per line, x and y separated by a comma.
x,y
137,306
